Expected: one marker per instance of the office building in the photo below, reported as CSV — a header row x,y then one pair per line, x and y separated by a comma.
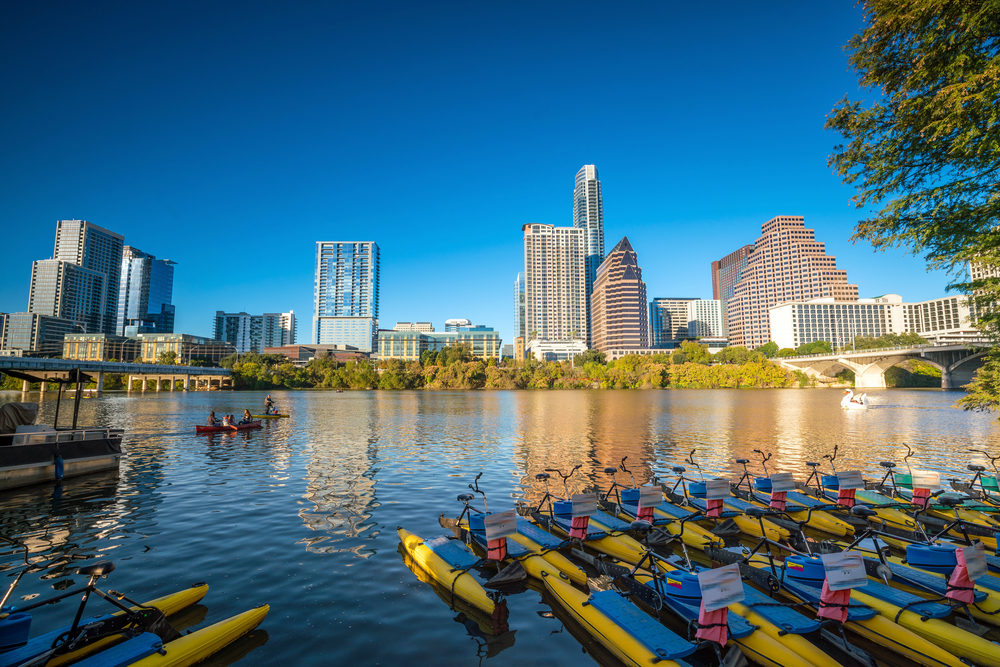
x,y
278,329
68,291
725,274
508,351
241,330
588,215
668,319
705,318
618,302
97,249
35,334
301,355
425,327
184,346
101,347
555,298
484,342
519,305
944,320
787,264
456,324
347,294
554,350
145,294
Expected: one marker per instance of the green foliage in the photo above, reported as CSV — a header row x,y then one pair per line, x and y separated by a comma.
x,y
768,349
913,373
888,340
786,352
984,390
167,358
735,355
817,347
590,355
696,353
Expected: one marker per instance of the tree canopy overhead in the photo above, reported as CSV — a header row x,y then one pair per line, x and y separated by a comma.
x,y
924,155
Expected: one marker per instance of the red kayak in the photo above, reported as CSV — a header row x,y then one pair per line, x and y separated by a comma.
x,y
220,429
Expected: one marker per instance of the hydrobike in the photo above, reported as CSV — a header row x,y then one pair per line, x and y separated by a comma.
x,y
800,575
138,634
274,416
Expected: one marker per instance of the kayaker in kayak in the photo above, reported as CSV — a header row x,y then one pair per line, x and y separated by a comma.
x,y
212,421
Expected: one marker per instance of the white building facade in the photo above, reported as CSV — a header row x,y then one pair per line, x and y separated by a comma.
x,y
555,297
346,294
705,318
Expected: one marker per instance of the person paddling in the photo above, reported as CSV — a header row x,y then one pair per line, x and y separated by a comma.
x,y
212,421
247,417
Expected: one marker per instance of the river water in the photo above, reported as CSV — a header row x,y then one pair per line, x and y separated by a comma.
x,y
302,514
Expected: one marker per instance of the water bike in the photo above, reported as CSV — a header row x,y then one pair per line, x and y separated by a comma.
x,y
448,562
649,503
222,429
764,633
533,548
137,634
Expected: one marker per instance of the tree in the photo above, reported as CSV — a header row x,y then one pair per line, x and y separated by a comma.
x,y
168,358
696,353
768,349
590,356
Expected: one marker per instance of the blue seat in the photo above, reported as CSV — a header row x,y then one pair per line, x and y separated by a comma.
x,y
651,633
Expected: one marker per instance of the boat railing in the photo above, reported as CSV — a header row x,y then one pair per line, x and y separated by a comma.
x,y
49,437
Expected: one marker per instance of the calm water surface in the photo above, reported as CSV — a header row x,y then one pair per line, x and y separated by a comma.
x,y
302,514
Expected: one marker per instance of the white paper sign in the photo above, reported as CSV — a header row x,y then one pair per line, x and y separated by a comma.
x,y
850,479
721,587
717,489
782,481
584,504
923,479
501,524
975,561
650,496
844,570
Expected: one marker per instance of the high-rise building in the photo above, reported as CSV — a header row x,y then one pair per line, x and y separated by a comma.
x,y
145,292
241,330
588,215
705,318
725,274
35,333
97,249
278,329
69,291
455,324
618,302
786,264
347,294
555,283
519,305
668,319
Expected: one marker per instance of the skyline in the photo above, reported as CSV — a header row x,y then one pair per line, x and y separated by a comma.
x,y
435,133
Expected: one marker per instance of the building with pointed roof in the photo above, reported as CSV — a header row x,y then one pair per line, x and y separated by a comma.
x,y
618,302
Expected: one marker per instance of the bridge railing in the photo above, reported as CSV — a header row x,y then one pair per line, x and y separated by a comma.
x,y
844,352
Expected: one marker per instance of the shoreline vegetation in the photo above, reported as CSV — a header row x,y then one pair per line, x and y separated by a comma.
x,y
691,366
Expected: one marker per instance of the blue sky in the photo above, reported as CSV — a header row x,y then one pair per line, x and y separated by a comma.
x,y
230,137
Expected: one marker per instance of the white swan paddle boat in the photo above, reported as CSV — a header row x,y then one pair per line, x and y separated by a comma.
x,y
852,402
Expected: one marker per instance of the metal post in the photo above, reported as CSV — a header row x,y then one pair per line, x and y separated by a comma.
x,y
79,395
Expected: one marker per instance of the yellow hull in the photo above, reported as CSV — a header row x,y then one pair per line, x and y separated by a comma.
x,y
954,640
751,527
610,635
168,604
797,644
464,584
198,645
621,547
554,558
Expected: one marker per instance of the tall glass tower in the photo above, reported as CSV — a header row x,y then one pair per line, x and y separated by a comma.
x,y
346,294
85,244
519,306
145,292
588,215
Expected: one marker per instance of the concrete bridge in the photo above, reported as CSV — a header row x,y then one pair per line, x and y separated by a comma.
x,y
201,377
958,363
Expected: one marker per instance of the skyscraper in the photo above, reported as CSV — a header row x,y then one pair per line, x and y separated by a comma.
x,y
786,264
85,244
68,291
555,297
347,294
618,302
145,292
519,305
668,319
588,215
704,318
725,274
241,330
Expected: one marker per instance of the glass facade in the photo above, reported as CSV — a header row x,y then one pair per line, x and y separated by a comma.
x,y
484,342
37,334
588,215
145,293
346,288
97,249
519,305
68,291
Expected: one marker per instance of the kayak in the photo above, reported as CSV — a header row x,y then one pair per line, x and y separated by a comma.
x,y
632,636
168,604
446,561
195,647
267,416
221,429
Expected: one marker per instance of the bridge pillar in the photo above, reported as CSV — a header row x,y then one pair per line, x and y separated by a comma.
x,y
187,383
100,383
25,386
43,385
159,383
872,377
144,383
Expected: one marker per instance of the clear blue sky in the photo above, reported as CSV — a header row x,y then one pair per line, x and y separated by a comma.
x,y
230,137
